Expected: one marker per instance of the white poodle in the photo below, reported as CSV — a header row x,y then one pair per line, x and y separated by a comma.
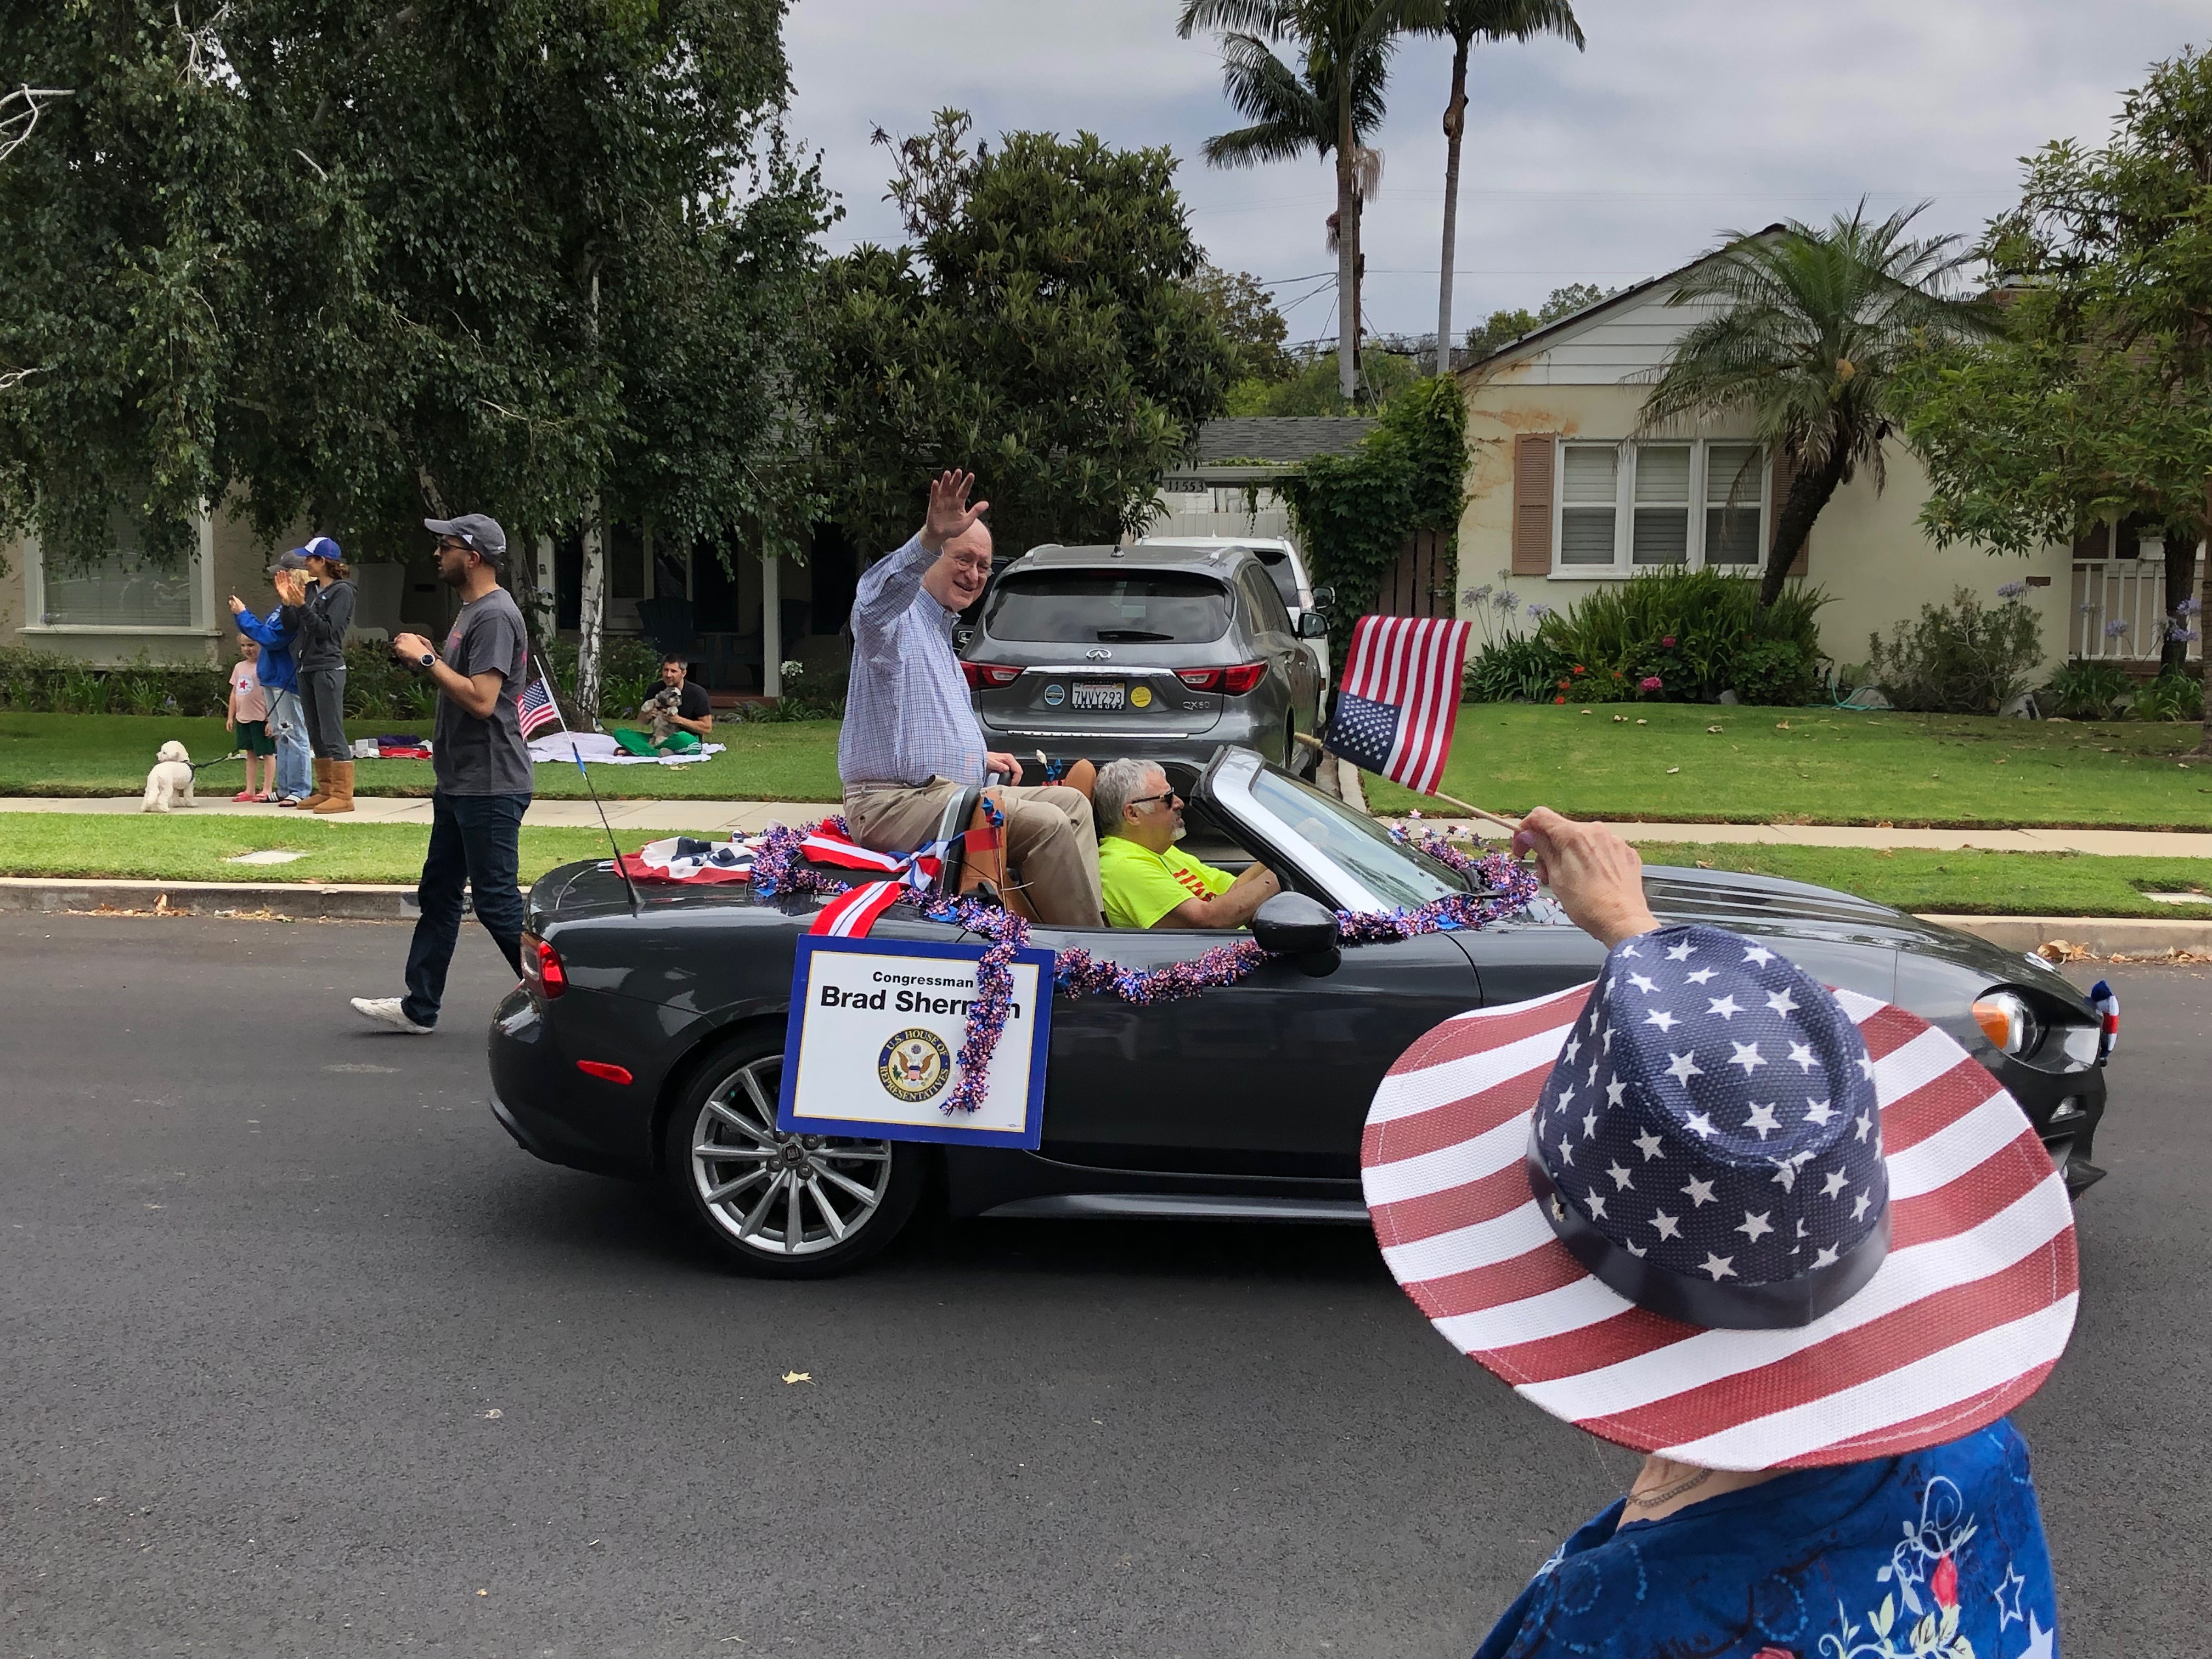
x,y
170,783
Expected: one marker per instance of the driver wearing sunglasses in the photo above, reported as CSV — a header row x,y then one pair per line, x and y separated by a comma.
x,y
1148,881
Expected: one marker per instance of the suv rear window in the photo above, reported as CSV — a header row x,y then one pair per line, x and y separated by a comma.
x,y
1080,606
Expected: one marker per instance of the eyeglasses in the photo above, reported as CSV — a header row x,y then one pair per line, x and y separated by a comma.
x,y
1147,800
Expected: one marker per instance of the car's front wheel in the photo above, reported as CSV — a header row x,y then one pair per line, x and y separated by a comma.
x,y
783,1206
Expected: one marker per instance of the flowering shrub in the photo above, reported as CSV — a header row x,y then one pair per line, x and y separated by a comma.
x,y
1690,629
1960,659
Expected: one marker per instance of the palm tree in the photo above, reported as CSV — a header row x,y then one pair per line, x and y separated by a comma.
x,y
1812,325
1346,45
1465,21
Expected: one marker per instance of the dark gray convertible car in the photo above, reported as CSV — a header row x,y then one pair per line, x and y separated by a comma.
x,y
650,1045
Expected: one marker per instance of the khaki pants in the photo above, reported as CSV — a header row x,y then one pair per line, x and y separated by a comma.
x,y
1049,837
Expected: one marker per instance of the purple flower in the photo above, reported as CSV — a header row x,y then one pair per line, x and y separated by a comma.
x,y
2180,634
2091,608
2011,590
1475,595
1540,611
1649,682
2188,607
2117,629
1507,602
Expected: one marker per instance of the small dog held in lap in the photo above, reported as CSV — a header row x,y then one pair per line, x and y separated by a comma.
x,y
170,783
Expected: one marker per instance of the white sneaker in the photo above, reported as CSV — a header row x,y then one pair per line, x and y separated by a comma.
x,y
386,1010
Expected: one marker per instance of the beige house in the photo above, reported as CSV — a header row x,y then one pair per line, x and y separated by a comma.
x,y
1564,496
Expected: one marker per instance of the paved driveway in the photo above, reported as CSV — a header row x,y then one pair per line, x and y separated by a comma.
x,y
302,1357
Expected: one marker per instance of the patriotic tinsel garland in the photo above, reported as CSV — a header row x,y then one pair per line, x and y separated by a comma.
x,y
1504,886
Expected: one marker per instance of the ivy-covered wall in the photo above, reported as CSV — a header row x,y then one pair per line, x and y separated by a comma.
x,y
1355,511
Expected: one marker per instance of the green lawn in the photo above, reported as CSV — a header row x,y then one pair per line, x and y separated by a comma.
x,y
1968,884
1810,765
194,849
108,755
1819,766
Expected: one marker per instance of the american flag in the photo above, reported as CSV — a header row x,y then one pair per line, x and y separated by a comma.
x,y
538,707
1399,697
1967,1313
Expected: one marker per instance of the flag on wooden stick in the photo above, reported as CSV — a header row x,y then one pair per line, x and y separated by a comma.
x,y
538,709
1399,697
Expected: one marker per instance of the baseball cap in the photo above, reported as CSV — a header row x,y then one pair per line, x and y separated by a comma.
x,y
324,548
482,536
293,558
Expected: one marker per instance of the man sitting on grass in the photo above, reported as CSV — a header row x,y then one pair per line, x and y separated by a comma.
x,y
1148,882
680,711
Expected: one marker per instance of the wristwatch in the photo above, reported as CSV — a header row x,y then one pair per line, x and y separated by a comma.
x,y
428,660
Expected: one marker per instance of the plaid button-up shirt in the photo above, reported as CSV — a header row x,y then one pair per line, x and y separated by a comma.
x,y
908,714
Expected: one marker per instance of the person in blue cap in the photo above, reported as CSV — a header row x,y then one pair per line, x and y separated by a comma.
x,y
280,677
1795,1245
319,610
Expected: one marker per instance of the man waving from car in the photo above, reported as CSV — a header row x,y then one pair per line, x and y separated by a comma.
x,y
911,742
1149,882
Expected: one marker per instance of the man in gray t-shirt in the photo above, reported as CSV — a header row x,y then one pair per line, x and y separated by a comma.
x,y
482,767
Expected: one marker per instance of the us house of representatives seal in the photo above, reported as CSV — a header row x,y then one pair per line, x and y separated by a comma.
x,y
914,1065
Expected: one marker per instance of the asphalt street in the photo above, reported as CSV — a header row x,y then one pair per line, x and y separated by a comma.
x,y
302,1356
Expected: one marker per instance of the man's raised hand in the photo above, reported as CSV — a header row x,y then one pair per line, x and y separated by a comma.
x,y
948,512
1596,876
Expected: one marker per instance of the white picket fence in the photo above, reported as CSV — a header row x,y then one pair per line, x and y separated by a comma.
x,y
2129,591
1220,512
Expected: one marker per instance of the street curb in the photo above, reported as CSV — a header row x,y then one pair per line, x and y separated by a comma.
x,y
2102,936
305,901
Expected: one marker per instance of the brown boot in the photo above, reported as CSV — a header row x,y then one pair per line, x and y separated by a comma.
x,y
321,791
341,795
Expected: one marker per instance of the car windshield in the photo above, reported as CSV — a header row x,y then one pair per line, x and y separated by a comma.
x,y
1397,874
1169,607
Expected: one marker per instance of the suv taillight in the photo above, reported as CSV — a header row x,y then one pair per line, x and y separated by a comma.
x,y
541,967
1236,682
983,676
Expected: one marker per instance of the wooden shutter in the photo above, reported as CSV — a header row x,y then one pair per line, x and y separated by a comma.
x,y
1785,474
1533,471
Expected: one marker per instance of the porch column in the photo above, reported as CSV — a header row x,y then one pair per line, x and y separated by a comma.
x,y
771,627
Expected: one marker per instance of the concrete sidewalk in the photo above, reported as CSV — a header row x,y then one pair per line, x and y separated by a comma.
x,y
728,817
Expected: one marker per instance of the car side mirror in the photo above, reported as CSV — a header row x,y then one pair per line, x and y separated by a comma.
x,y
1324,598
1305,930
1312,625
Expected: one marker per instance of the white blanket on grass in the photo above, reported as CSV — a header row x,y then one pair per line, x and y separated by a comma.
x,y
597,748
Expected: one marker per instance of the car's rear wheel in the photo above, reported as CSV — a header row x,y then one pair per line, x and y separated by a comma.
x,y
782,1205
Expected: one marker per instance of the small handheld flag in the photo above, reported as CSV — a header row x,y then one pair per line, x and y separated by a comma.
x,y
538,709
1399,697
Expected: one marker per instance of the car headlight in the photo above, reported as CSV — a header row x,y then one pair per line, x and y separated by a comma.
x,y
2007,1021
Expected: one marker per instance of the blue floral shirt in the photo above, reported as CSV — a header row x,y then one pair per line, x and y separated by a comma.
x,y
1939,1554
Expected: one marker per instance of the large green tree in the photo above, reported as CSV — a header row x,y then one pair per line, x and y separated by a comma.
x,y
1040,326
360,259
1326,105
1808,327
1466,22
2115,244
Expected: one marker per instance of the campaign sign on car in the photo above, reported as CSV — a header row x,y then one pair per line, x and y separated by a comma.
x,y
875,1028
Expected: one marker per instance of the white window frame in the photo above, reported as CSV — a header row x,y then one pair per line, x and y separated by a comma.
x,y
201,567
1623,508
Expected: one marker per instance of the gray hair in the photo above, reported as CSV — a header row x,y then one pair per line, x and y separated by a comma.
x,y
1118,783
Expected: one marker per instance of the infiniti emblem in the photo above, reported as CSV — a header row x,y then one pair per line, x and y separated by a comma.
x,y
1096,656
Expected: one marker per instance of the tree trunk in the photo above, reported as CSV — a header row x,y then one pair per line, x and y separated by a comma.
x,y
591,619
1809,492
2205,626
2180,566
1348,249
1455,130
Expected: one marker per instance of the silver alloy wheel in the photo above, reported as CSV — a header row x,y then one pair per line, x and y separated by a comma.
x,y
781,1194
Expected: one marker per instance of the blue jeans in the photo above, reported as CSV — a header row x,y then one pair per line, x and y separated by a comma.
x,y
476,843
288,724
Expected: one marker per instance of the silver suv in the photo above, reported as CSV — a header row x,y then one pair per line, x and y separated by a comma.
x,y
1098,652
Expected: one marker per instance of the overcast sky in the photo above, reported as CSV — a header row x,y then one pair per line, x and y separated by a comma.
x,y
1680,120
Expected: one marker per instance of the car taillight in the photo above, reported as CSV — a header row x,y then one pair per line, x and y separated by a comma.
x,y
541,967
1236,682
983,676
